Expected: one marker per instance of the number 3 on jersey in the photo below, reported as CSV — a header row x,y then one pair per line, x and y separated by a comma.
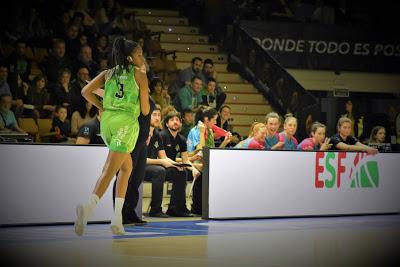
x,y
120,93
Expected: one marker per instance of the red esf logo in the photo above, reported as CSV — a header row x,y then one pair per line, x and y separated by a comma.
x,y
330,167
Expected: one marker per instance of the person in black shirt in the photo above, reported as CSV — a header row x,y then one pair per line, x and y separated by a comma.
x,y
344,141
175,145
139,155
89,133
160,168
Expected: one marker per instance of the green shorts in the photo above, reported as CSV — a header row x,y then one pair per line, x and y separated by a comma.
x,y
119,130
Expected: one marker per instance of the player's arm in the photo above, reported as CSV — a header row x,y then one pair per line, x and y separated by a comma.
x,y
88,92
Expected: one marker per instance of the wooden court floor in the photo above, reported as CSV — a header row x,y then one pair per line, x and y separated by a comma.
x,y
317,241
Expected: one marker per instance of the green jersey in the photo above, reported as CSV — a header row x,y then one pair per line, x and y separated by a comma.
x,y
121,92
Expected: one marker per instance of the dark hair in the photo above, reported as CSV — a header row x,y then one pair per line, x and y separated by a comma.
x,y
211,80
122,48
169,116
205,113
186,110
224,106
153,84
208,61
83,111
58,107
196,58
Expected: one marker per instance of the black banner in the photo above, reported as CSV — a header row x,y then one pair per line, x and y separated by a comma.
x,y
327,47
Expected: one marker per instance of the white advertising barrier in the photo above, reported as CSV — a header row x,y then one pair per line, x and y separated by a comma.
x,y
44,183
254,183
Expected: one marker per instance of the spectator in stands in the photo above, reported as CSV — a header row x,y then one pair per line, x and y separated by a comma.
x,y
160,168
343,140
165,111
4,87
82,116
18,62
258,141
61,126
102,48
289,130
272,121
185,76
77,100
318,139
174,144
72,41
40,105
18,89
187,122
208,94
208,73
377,139
62,89
189,96
89,133
253,128
159,93
202,136
224,116
8,120
85,60
56,61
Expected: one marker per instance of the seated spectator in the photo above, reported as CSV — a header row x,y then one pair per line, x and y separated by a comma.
x,y
85,59
245,143
258,141
208,73
202,136
8,120
62,89
82,116
159,93
208,94
56,62
38,103
165,111
77,100
187,122
102,48
19,90
343,140
61,126
289,130
317,141
89,133
224,116
4,87
18,62
377,139
160,168
175,143
272,122
185,76
189,96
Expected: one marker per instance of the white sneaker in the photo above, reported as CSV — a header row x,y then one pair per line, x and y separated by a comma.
x,y
81,221
116,226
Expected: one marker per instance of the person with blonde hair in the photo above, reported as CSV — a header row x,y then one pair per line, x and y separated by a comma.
x,y
343,140
245,143
272,121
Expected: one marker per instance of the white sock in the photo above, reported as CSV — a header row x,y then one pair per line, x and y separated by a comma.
x,y
91,204
119,203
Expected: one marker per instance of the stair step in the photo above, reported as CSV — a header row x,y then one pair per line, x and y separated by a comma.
x,y
218,67
244,98
172,29
184,38
178,21
186,56
187,47
229,77
153,12
237,87
247,119
251,109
